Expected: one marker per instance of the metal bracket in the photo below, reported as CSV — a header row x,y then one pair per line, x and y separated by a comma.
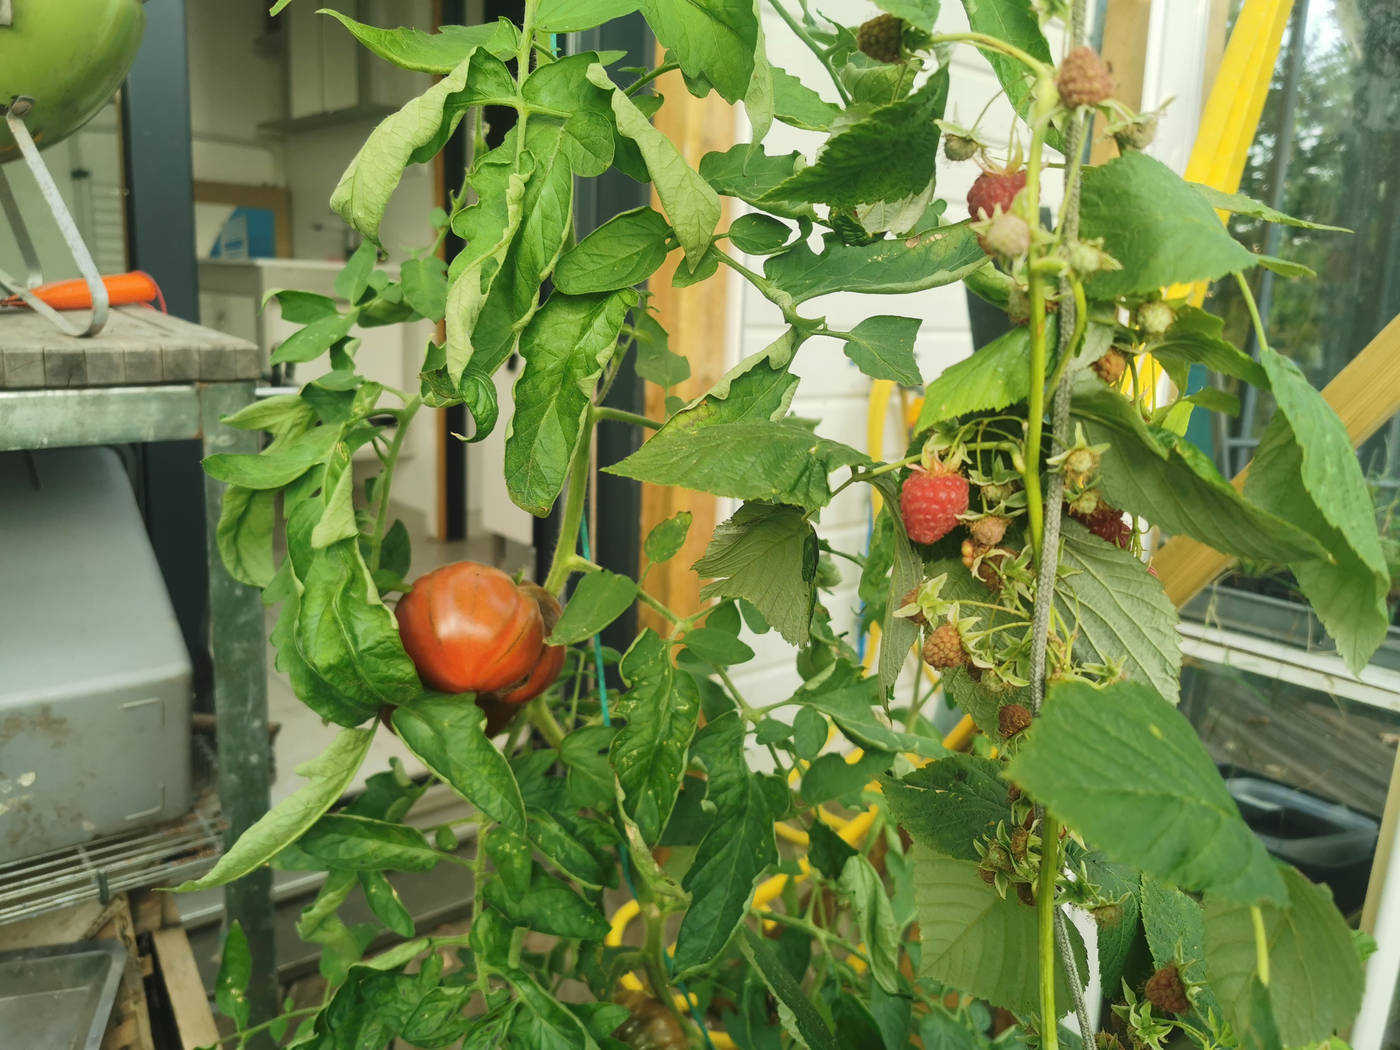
x,y
14,120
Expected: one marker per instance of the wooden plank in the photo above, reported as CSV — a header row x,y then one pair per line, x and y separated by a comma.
x,y
188,1002
1365,394
1125,49
695,317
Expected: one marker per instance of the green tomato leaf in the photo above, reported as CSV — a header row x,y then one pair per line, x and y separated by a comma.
x,y
386,903
550,907
746,172
447,733
758,234
566,346
766,554
851,701
244,534
600,598
624,251
796,1013
1142,788
828,851
861,885
661,708
1157,225
349,843
1305,469
714,39
995,376
1122,613
338,519
885,267
654,361
734,853
425,286
235,971
947,805
796,104
544,1022
690,203
720,648
588,132
831,778
314,340
1316,975
666,538
1242,205
571,16
327,776
439,52
282,415
975,941
883,348
886,156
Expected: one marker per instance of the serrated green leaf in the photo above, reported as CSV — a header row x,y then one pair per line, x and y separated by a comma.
x,y
886,156
768,555
314,340
1315,977
734,853
447,734
796,104
1016,22
588,134
897,635
862,886
852,705
661,707
666,538
975,941
439,52
1142,789
1195,338
947,805
1173,484
566,346
746,172
831,778
425,286
1157,225
327,776
1242,205
690,203
921,13
244,534
713,39
1306,469
600,598
883,348
995,376
550,907
571,16
886,267
624,251
1175,927
1122,613
796,1013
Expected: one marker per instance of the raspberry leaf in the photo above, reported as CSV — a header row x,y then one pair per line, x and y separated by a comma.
x,y
1016,22
1175,927
883,267
897,635
1195,338
796,104
1123,614
947,805
1315,971
768,555
1157,226
1142,788
883,348
1242,205
975,941
995,376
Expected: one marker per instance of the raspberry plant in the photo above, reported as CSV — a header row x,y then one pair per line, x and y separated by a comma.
x,y
949,892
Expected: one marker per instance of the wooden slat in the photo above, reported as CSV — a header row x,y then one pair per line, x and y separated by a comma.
x,y
1365,394
695,319
1125,49
188,1002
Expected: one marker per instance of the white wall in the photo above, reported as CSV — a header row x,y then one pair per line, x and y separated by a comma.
x,y
834,390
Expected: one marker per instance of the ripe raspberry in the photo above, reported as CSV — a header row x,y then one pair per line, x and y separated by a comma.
x,y
1155,317
1011,719
1025,893
930,504
960,147
1137,135
988,531
1111,366
1166,991
944,648
918,618
992,190
1006,235
1020,839
1084,78
881,38
1107,524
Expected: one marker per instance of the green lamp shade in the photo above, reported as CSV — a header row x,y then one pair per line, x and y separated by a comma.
x,y
69,56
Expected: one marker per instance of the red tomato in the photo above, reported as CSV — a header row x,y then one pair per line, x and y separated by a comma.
x,y
552,657
469,629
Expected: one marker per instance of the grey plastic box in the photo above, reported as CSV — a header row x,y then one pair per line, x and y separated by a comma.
x,y
94,676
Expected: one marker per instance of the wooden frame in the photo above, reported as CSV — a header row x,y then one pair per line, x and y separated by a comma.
x,y
270,198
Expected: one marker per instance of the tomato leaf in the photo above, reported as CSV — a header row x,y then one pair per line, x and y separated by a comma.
x,y
798,1016
347,842
599,599
624,251
244,534
439,52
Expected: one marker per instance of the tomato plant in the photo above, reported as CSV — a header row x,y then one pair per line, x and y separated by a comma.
x,y
918,886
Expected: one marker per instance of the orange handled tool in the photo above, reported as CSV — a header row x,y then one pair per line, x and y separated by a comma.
x,y
123,289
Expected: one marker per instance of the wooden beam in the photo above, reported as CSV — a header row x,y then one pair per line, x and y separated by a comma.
x,y
1365,394
1125,49
180,975
695,317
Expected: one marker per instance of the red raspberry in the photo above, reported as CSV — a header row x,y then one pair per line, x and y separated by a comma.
x,y
1107,524
1084,78
930,504
992,190
944,648
1111,366
1166,991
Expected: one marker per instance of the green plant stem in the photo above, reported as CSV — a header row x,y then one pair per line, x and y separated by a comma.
x,y
522,73
816,48
1035,421
244,1033
538,714
566,550
1261,944
1045,923
617,415
770,291
991,43
391,459
650,75
1253,308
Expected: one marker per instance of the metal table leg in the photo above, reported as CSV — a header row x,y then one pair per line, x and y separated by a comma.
x,y
240,706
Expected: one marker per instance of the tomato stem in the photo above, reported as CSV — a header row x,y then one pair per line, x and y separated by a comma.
x,y
391,458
